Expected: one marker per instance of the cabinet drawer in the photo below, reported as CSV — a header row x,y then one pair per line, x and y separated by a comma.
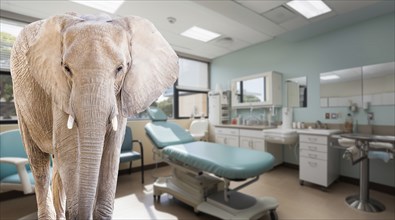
x,y
313,147
317,139
252,143
229,140
251,133
314,171
227,131
313,154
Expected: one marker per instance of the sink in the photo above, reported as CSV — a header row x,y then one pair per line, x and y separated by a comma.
x,y
318,131
280,136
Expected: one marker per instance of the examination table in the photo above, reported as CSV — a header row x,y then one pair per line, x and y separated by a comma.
x,y
202,172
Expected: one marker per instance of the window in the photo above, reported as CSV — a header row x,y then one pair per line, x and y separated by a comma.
x,y
192,87
164,102
7,108
189,96
192,104
9,31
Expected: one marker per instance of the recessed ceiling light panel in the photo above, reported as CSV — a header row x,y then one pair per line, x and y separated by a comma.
x,y
329,77
309,8
201,34
107,6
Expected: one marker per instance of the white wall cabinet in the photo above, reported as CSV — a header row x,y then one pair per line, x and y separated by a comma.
x,y
319,163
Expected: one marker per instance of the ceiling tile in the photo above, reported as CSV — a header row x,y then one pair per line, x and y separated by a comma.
x,y
279,15
261,6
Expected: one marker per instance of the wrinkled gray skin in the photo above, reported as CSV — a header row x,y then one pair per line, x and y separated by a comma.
x,y
76,79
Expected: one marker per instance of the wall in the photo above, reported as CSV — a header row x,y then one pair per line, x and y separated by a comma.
x,y
365,43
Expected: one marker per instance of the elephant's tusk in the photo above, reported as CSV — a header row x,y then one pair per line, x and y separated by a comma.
x,y
70,122
114,122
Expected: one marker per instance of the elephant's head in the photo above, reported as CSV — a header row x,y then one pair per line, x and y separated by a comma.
x,y
95,68
89,61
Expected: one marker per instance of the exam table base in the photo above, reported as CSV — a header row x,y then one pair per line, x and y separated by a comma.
x,y
186,187
194,190
371,205
255,208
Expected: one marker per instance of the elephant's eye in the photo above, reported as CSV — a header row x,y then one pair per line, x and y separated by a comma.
x,y
68,70
119,69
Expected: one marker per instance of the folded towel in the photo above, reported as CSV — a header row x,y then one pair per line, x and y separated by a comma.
x,y
385,156
351,153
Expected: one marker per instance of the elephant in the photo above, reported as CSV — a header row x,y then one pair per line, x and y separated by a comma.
x,y
76,79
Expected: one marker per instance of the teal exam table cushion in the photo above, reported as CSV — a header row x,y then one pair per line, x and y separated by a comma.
x,y
224,161
15,178
164,133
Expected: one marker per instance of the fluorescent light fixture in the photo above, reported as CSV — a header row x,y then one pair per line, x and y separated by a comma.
x,y
107,6
309,8
329,77
201,34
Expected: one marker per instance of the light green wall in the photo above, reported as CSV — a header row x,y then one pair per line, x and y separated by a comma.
x,y
365,43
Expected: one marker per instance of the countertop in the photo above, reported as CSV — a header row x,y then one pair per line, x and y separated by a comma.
x,y
255,127
299,131
326,132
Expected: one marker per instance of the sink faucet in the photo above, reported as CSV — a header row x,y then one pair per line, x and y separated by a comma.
x,y
319,124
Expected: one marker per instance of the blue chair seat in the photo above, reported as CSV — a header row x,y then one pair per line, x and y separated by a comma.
x,y
129,155
15,178
12,152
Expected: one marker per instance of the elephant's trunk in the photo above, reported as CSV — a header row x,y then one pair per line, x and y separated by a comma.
x,y
93,108
91,150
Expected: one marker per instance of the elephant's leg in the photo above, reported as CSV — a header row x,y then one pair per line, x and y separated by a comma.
x,y
109,172
59,196
67,160
40,165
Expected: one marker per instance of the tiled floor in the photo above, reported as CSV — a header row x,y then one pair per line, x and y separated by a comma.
x,y
135,201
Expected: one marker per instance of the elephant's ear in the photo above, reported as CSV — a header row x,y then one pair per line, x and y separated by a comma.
x,y
44,58
154,66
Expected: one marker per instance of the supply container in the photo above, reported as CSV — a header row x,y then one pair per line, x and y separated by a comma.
x,y
348,124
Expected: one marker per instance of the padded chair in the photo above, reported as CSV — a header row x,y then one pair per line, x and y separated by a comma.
x,y
129,155
15,173
199,129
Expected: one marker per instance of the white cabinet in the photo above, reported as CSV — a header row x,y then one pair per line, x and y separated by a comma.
x,y
248,138
319,163
252,143
228,136
252,139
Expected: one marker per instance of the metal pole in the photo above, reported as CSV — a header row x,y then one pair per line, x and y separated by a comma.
x,y
364,178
